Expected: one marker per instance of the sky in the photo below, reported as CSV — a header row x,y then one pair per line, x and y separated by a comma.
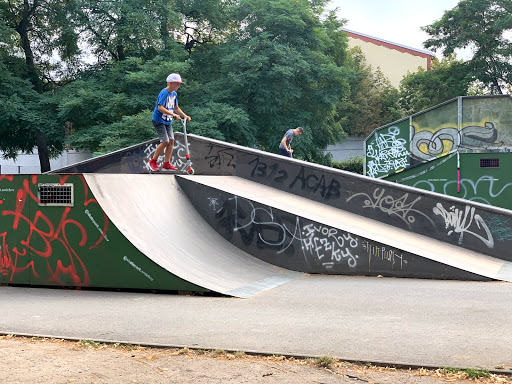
x,y
397,21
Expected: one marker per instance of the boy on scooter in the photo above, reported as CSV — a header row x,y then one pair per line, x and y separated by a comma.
x,y
166,109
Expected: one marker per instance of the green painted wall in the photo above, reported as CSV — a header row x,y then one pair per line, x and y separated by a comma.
x,y
387,150
433,133
485,125
491,186
69,246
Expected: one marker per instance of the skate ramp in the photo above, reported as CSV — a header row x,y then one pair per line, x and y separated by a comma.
x,y
378,232
153,213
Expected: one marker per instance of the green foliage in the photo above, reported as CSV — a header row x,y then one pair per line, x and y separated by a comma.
x,y
325,361
111,108
471,373
277,69
354,164
129,130
222,122
483,26
448,79
477,373
254,69
206,22
120,29
23,111
372,102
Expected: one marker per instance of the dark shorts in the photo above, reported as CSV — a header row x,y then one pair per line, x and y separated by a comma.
x,y
284,152
164,131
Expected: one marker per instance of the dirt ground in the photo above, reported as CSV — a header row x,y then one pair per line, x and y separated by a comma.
x,y
36,360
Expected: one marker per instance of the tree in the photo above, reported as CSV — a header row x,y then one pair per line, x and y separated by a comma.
x,y
254,69
110,107
205,22
483,26
277,68
372,102
27,122
448,78
118,29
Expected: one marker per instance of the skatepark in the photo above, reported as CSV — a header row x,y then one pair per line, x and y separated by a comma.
x,y
259,253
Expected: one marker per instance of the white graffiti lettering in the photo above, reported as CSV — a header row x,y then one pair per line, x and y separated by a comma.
x,y
324,242
319,243
382,253
393,207
387,153
178,158
459,221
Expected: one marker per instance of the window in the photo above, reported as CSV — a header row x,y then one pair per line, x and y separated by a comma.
x,y
56,194
489,163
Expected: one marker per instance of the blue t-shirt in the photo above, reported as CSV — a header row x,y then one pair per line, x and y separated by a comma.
x,y
169,100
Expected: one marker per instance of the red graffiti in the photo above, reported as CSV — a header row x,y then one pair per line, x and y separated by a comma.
x,y
52,250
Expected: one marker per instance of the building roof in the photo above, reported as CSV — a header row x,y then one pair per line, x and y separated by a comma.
x,y
388,44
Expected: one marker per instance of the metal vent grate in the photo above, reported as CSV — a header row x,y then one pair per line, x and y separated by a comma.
x,y
56,194
489,163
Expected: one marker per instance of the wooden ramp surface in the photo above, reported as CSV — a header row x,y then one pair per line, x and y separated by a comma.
x,y
152,212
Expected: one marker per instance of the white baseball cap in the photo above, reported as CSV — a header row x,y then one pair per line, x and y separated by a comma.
x,y
174,78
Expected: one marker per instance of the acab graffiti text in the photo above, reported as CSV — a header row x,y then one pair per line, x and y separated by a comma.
x,y
328,188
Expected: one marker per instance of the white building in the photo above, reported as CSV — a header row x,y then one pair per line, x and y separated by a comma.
x,y
29,163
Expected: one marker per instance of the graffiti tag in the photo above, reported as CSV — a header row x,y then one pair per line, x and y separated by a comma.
x,y
460,221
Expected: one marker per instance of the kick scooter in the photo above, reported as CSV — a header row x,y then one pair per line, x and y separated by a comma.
x,y
188,166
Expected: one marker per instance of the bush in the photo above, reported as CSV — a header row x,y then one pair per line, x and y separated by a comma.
x,y
354,164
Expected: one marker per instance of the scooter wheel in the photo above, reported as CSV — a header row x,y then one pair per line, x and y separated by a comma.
x,y
190,171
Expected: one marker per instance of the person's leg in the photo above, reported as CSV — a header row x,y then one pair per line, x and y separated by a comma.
x,y
163,135
164,140
284,152
170,145
168,151
167,166
159,149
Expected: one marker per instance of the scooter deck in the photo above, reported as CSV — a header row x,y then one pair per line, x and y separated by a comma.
x,y
176,172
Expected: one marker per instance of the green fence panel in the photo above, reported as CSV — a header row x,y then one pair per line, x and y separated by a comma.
x,y
387,150
485,177
70,244
15,260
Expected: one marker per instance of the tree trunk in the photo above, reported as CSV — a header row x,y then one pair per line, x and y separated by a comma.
x,y
42,150
22,29
120,52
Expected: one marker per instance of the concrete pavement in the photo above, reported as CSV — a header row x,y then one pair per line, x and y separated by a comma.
x,y
391,320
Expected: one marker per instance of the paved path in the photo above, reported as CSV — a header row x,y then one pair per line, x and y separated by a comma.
x,y
404,321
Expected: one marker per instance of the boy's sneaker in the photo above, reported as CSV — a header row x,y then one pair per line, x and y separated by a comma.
x,y
168,167
153,165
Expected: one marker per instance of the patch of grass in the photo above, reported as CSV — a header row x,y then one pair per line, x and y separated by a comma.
x,y
476,373
218,352
469,372
89,344
240,354
450,370
184,351
325,361
124,346
38,338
